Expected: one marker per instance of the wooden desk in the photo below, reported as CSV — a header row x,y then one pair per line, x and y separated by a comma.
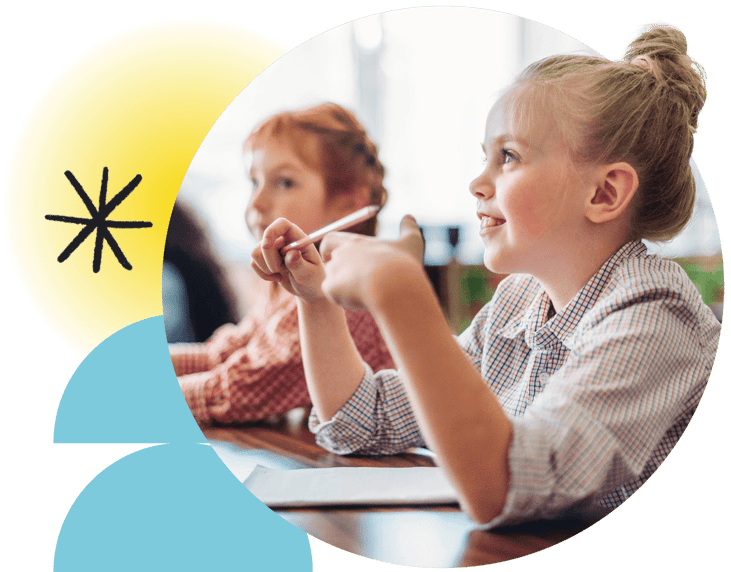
x,y
425,536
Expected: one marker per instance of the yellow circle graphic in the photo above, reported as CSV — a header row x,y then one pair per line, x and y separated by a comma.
x,y
132,114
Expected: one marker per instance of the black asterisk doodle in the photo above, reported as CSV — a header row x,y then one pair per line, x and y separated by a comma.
x,y
98,220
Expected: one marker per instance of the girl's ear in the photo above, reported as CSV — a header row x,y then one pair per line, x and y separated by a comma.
x,y
613,193
352,201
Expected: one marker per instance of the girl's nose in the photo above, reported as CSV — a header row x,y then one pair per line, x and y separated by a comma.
x,y
258,200
481,187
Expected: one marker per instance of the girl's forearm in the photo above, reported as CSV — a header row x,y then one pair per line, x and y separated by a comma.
x,y
332,363
459,416
189,358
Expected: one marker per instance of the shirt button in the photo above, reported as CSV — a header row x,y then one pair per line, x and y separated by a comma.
x,y
543,377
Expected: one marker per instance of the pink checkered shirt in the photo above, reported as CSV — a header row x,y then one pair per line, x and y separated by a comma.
x,y
253,370
597,394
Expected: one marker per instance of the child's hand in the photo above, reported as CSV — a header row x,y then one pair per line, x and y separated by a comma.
x,y
356,267
299,272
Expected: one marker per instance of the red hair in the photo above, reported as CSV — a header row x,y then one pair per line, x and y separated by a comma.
x,y
342,152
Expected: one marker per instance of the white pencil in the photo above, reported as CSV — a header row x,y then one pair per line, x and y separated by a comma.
x,y
345,222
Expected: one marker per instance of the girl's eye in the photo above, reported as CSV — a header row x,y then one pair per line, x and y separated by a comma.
x,y
254,182
508,156
502,157
286,183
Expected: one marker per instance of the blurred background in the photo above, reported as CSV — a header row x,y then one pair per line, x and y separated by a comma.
x,y
422,82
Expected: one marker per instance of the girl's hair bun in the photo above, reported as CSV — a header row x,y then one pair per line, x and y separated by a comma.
x,y
659,42
662,50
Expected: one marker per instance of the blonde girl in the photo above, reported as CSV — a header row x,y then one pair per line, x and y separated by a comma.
x,y
577,379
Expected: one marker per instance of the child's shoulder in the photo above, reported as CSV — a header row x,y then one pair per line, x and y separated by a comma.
x,y
646,283
643,274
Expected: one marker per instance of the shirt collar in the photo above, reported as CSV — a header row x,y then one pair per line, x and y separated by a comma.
x,y
538,324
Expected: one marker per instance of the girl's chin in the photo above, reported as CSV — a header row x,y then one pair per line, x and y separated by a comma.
x,y
257,233
496,262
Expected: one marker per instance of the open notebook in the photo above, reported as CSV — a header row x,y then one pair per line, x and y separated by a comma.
x,y
351,486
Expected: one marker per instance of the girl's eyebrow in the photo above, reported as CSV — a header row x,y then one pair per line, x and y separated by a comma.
x,y
504,138
279,167
286,165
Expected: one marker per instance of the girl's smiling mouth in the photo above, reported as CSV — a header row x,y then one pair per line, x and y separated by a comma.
x,y
487,222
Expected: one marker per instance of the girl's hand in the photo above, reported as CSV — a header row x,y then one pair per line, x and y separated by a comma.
x,y
358,267
299,272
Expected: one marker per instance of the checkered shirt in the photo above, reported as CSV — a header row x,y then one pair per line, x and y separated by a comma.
x,y
597,394
253,370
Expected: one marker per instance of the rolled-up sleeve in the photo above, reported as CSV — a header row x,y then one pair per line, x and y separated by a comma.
x,y
376,420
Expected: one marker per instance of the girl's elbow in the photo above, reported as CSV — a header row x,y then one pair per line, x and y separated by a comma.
x,y
482,510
